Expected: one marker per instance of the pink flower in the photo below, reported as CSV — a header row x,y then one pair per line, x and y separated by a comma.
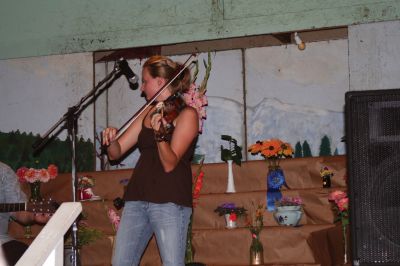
x,y
198,101
53,171
290,201
32,175
337,195
343,204
114,218
43,175
21,172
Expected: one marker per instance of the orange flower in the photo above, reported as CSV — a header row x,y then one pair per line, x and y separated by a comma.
x,y
271,148
287,150
255,148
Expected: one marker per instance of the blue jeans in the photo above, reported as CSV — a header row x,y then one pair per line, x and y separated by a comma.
x,y
140,219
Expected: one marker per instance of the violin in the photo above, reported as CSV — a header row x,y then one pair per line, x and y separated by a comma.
x,y
169,110
172,113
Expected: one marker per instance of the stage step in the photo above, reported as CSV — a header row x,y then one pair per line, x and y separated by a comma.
x,y
317,241
316,209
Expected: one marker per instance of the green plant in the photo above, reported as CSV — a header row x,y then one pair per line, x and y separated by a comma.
x,y
234,152
85,235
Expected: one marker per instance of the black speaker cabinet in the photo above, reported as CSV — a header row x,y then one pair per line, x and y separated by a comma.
x,y
372,122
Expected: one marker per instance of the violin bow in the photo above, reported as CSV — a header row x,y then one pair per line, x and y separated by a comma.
x,y
191,59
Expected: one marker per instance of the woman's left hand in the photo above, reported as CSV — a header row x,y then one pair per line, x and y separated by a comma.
x,y
157,121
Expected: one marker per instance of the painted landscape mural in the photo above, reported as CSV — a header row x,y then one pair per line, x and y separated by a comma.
x,y
272,98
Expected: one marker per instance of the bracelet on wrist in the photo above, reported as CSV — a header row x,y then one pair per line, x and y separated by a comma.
x,y
159,137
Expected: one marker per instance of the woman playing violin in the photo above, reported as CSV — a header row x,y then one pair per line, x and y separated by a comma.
x,y
158,199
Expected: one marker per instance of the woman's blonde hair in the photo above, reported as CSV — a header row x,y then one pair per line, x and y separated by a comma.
x,y
164,67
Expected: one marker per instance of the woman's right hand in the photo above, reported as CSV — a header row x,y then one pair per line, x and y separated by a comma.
x,y
108,136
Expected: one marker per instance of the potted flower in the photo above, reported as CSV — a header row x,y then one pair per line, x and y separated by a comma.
x,y
231,213
288,211
293,203
85,186
326,175
232,154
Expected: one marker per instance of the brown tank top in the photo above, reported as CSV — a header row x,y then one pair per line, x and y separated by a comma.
x,y
150,183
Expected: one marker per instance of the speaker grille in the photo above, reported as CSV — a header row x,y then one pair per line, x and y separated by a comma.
x,y
373,158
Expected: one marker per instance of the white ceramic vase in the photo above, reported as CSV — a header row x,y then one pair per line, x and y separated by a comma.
x,y
288,215
231,183
229,223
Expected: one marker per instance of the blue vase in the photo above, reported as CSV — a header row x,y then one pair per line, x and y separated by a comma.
x,y
275,180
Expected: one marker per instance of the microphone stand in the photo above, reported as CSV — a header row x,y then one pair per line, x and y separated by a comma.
x,y
70,122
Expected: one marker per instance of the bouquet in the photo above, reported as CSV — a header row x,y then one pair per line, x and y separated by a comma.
x,y
326,175
85,182
255,221
32,175
272,150
255,224
341,208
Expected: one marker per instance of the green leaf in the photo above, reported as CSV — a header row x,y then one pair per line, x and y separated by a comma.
x,y
234,152
226,137
225,154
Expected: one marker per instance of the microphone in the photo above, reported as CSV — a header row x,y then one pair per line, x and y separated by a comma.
x,y
122,65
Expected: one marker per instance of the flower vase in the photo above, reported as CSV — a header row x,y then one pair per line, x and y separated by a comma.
x,y
231,183
35,191
326,181
230,220
275,180
288,215
256,250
